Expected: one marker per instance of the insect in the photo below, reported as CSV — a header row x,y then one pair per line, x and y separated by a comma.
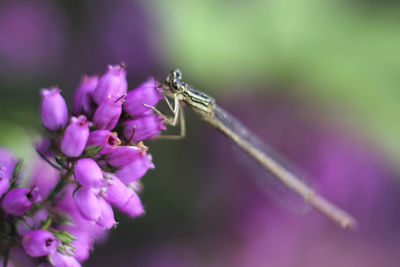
x,y
206,107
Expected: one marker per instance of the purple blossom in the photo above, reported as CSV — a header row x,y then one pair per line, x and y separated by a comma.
x,y
147,93
144,127
4,183
18,201
117,193
39,243
123,155
44,177
59,259
104,138
112,84
108,113
107,215
75,137
88,173
134,207
136,169
83,102
7,162
54,109
88,204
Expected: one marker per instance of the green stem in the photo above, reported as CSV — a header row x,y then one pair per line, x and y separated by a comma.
x,y
60,185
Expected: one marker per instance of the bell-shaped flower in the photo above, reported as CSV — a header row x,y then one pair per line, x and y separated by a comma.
x,y
113,83
107,215
134,207
54,109
148,93
88,173
75,137
123,155
18,201
59,259
83,103
136,169
88,204
8,161
39,243
144,127
117,192
4,183
104,138
107,114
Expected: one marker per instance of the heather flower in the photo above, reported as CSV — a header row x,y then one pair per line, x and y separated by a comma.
x,y
88,204
123,155
117,192
136,169
54,109
134,207
147,93
113,83
88,173
7,162
105,139
144,127
108,113
44,177
59,259
107,215
18,201
83,102
75,137
39,243
4,183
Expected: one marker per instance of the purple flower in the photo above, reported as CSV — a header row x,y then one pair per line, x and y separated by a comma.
x,y
113,83
54,109
83,102
104,138
144,127
134,207
107,215
147,93
75,137
39,243
20,200
44,177
88,204
4,183
117,193
108,113
7,162
88,173
136,169
123,155
59,259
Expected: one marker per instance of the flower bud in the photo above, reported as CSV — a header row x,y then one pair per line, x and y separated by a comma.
x,y
4,183
83,103
144,127
39,243
88,204
75,137
136,169
117,193
107,215
104,138
88,173
18,201
134,207
59,259
113,83
54,109
7,162
123,155
147,93
108,113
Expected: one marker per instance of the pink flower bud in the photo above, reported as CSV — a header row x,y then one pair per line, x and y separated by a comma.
x,y
88,173
134,207
147,93
75,137
136,169
123,155
144,127
83,103
59,259
107,215
104,138
18,201
113,83
7,162
39,243
117,193
108,113
88,204
54,109
4,183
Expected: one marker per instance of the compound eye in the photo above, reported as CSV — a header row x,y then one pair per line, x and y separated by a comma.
x,y
177,74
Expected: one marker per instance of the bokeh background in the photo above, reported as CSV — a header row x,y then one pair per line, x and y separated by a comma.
x,y
317,80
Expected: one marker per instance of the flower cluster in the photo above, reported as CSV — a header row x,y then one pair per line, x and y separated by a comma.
x,y
91,163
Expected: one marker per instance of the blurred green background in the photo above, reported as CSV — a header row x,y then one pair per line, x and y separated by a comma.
x,y
331,63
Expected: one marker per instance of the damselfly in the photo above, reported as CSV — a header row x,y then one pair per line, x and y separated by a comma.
x,y
207,108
